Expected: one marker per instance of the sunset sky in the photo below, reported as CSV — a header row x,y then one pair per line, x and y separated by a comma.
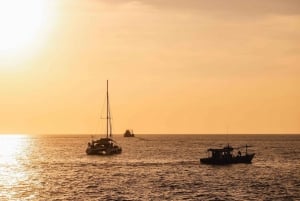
x,y
174,66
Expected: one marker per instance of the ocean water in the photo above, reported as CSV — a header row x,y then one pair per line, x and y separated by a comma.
x,y
151,167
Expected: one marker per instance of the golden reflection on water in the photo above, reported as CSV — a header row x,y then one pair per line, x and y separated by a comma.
x,y
12,156
10,147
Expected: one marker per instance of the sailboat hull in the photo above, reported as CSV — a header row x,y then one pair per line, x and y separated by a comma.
x,y
103,146
103,152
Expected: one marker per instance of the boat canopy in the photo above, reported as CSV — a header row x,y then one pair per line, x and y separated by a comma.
x,y
225,149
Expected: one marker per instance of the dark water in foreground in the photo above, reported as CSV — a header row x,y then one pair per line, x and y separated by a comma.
x,y
151,167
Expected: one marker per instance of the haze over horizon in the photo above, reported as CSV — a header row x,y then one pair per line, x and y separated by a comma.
x,y
193,66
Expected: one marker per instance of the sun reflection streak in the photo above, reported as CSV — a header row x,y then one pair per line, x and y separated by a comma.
x,y
12,156
10,147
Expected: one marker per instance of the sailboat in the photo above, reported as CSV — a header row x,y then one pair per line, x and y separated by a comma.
x,y
104,146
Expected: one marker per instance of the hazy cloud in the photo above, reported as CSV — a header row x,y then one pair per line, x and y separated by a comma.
x,y
229,7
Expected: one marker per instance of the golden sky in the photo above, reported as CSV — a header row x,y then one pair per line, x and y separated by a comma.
x,y
180,66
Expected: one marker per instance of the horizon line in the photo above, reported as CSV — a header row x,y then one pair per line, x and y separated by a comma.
x,y
151,134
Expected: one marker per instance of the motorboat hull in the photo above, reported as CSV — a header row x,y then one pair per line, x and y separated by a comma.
x,y
228,160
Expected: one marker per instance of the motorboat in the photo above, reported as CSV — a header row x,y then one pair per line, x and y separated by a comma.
x,y
129,133
225,156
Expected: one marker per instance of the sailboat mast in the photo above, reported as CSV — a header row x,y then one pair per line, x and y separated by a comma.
x,y
107,112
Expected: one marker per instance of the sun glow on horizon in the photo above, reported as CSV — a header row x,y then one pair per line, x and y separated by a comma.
x,y
22,24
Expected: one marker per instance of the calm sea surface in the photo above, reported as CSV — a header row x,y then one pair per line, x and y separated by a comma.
x,y
151,167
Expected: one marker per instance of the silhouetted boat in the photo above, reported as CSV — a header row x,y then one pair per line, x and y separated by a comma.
x,y
128,133
104,146
225,156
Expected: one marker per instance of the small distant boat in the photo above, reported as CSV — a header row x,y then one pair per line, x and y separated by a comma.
x,y
129,133
104,146
225,156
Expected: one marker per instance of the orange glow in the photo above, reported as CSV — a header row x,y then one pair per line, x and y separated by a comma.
x,y
179,67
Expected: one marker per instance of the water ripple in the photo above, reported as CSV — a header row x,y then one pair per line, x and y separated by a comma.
x,y
56,168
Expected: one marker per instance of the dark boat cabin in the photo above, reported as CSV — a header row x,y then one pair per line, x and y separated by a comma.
x,y
226,152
